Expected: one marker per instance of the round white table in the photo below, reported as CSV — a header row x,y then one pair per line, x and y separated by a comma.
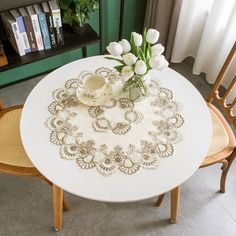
x,y
118,187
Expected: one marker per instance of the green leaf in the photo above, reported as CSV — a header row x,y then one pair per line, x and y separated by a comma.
x,y
64,4
150,51
68,17
144,44
149,56
115,59
141,54
132,44
119,68
77,11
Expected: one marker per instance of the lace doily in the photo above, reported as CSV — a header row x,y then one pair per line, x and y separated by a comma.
x,y
120,135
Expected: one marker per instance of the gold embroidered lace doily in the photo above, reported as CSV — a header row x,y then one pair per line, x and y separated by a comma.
x,y
118,136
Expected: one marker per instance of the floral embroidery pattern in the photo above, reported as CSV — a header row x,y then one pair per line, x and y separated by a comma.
x,y
67,131
102,124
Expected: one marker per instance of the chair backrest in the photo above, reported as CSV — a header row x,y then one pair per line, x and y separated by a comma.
x,y
222,100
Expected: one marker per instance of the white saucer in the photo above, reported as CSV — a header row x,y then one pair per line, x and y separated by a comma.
x,y
98,101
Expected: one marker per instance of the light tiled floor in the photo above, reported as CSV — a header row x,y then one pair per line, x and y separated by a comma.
x,y
26,203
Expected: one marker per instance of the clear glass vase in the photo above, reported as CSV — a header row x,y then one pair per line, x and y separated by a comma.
x,y
137,87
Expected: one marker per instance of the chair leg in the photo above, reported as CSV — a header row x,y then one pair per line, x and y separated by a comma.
x,y
65,205
1,105
57,207
175,194
225,171
160,200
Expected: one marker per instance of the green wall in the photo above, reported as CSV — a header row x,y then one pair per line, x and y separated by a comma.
x,y
134,13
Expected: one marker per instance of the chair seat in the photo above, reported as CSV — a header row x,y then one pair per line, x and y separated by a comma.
x,y
223,140
11,148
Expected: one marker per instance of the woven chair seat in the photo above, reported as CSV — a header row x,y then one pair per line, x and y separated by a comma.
x,y
220,148
11,148
220,138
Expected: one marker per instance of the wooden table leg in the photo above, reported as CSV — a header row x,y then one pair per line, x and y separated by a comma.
x,y
57,207
175,194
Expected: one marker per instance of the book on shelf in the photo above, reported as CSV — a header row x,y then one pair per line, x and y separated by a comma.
x,y
29,29
13,33
3,58
56,16
49,20
21,25
43,26
36,27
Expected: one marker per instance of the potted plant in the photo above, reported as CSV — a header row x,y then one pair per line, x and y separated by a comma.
x,y
75,13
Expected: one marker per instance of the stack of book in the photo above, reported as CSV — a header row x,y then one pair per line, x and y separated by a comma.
x,y
34,28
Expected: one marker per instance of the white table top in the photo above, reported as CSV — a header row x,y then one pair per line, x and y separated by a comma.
x,y
117,187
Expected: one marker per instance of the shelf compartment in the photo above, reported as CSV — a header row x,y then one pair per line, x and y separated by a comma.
x,y
12,4
71,41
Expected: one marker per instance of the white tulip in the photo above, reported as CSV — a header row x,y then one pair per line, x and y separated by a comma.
x,y
158,62
140,67
152,36
129,59
127,72
157,50
138,39
114,49
125,45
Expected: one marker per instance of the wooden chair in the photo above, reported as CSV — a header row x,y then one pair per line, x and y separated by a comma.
x,y
223,144
14,160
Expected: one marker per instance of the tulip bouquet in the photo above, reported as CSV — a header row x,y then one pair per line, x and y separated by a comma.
x,y
136,58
